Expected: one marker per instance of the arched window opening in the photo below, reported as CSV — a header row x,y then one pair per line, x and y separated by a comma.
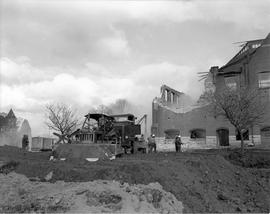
x,y
197,134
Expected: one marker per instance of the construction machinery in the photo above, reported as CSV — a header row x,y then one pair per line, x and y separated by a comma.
x,y
104,136
132,140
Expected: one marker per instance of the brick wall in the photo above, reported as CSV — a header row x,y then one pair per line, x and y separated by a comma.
x,y
164,118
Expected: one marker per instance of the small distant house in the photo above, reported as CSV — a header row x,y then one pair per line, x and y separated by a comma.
x,y
14,131
42,143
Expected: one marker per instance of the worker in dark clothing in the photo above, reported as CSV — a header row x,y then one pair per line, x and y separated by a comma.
x,y
132,147
152,143
25,142
178,143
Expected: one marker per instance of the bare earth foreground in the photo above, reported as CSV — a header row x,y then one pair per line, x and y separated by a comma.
x,y
95,197
198,181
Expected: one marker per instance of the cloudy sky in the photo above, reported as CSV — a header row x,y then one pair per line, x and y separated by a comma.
x,y
87,53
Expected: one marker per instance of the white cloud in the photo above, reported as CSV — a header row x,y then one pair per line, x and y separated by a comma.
x,y
77,91
15,97
244,13
116,45
83,90
150,77
21,71
148,10
178,11
96,69
70,33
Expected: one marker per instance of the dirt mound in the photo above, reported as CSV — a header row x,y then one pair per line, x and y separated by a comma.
x,y
253,158
202,181
18,194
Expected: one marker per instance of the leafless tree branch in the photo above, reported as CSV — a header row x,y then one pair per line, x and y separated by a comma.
x,y
243,107
61,118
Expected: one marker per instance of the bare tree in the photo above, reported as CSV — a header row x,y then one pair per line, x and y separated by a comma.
x,y
62,119
243,108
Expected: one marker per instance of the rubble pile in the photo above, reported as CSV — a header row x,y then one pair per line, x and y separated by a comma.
x,y
18,194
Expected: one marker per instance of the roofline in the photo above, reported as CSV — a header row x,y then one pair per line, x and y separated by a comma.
x,y
122,115
237,54
99,114
229,72
254,40
233,63
171,89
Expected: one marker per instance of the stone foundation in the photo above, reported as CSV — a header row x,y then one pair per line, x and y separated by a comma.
x,y
166,145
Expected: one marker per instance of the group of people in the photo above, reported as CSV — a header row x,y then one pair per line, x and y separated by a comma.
x,y
152,146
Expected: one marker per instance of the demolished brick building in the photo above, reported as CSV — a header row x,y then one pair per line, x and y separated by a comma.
x,y
249,67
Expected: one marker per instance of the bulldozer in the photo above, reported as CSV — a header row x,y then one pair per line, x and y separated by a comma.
x,y
103,137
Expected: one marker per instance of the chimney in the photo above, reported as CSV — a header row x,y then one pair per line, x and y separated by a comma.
x,y
214,71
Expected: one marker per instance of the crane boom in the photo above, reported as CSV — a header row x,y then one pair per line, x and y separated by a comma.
x,y
144,117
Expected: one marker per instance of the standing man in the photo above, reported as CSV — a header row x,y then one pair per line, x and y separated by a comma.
x,y
25,142
152,143
178,143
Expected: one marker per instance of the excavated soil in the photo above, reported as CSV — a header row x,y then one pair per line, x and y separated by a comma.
x,y
204,181
21,195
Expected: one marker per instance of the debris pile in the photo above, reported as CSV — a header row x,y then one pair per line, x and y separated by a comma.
x,y
18,194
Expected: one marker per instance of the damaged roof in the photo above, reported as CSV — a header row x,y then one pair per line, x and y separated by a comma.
x,y
248,49
165,87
